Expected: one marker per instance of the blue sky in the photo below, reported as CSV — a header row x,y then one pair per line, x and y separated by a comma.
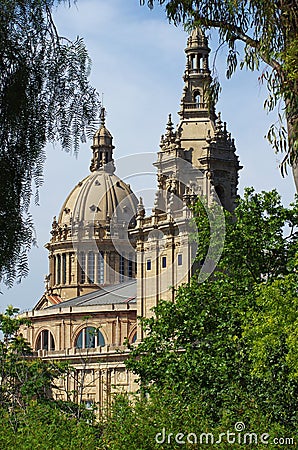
x,y
138,62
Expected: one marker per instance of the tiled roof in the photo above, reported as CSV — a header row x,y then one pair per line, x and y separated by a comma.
x,y
46,300
116,294
55,299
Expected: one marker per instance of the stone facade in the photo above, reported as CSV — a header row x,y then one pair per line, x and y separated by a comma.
x,y
109,263
88,334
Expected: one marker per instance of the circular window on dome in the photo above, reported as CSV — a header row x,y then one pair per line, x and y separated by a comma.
x,y
90,337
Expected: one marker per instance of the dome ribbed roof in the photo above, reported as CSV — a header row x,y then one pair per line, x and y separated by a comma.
x,y
97,198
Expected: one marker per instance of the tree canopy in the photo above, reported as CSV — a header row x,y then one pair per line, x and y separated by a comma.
x,y
230,343
30,417
224,353
45,96
268,30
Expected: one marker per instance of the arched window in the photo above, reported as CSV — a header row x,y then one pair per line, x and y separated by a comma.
x,y
197,99
90,337
45,341
134,338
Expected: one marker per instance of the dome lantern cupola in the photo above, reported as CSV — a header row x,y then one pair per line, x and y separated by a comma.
x,y
102,148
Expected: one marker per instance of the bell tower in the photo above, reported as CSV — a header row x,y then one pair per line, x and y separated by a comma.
x,y
196,158
202,132
197,79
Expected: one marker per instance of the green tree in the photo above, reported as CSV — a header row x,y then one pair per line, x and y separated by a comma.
x,y
30,417
22,377
268,31
271,334
205,347
45,96
165,420
45,426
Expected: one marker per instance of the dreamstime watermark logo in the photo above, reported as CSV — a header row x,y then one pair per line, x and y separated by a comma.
x,y
238,436
105,213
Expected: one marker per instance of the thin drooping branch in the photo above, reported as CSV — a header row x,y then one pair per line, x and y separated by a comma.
x,y
238,34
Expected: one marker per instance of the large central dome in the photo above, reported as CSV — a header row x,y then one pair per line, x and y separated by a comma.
x,y
90,248
98,198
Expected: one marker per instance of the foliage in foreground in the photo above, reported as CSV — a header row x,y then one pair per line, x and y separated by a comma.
x,y
45,96
29,416
224,353
228,346
167,421
44,426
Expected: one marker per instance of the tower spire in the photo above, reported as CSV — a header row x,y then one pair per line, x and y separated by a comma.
x,y
170,126
102,116
194,102
102,147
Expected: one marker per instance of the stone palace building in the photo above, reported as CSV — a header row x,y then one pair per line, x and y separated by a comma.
x,y
109,263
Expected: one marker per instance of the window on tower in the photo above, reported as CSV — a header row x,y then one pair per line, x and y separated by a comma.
x,y
179,258
163,262
197,99
148,264
193,62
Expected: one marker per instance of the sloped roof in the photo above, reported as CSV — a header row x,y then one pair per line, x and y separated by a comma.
x,y
46,300
116,294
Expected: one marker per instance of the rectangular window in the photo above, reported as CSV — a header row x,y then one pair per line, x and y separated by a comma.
x,y
130,265
148,264
58,269
82,262
121,268
91,267
163,262
64,268
55,270
179,260
100,268
45,336
70,267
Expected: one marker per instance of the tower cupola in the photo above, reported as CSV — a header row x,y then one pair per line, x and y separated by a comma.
x,y
197,78
197,52
102,148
